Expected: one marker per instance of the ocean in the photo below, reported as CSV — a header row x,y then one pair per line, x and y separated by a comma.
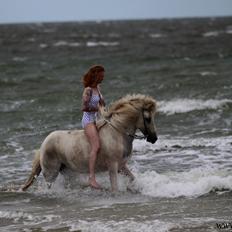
x,y
183,181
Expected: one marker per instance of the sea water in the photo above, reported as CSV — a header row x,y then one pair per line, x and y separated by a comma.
x,y
183,181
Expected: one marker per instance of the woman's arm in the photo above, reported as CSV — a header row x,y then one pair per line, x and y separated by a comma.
x,y
101,102
86,99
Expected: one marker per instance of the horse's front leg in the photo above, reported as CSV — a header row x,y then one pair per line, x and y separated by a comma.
x,y
125,171
113,172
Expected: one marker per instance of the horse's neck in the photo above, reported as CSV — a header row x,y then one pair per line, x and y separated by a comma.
x,y
125,126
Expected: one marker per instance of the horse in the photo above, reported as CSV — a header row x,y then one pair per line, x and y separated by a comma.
x,y
70,149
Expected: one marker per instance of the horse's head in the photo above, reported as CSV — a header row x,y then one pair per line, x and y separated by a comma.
x,y
137,111
146,124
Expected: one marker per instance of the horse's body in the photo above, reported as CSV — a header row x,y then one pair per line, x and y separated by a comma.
x,y
70,149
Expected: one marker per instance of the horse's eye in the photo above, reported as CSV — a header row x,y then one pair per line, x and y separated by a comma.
x,y
148,120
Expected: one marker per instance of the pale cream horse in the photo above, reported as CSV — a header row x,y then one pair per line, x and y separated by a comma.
x,y
70,149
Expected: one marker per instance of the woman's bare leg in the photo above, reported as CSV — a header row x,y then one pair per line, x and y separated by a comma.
x,y
93,137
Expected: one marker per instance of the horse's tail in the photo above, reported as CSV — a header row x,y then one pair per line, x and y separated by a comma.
x,y
36,169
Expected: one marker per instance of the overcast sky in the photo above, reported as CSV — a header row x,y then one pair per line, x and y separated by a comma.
x,y
73,10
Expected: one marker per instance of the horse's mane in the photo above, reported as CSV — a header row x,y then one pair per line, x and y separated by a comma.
x,y
130,103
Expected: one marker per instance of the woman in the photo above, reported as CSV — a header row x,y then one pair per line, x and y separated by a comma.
x,y
91,100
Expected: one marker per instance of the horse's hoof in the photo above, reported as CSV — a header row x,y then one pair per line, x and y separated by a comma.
x,y
131,190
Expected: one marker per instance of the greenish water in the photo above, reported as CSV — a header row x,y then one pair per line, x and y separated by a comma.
x,y
184,180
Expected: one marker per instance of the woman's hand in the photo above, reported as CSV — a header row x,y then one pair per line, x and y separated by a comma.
x,y
102,102
90,109
102,110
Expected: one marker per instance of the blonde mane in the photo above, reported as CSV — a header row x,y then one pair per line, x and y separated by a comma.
x,y
130,104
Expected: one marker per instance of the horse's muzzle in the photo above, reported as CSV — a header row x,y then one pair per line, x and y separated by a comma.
x,y
152,138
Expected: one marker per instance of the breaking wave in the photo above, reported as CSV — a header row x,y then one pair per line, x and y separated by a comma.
x,y
188,105
194,183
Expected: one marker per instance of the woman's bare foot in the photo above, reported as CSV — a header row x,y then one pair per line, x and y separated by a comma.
x,y
93,183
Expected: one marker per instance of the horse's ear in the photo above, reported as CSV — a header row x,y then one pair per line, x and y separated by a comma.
x,y
154,105
151,106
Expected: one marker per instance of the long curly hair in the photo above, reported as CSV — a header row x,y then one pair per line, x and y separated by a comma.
x,y
90,78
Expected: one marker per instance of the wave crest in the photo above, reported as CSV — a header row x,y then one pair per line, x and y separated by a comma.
x,y
188,105
197,182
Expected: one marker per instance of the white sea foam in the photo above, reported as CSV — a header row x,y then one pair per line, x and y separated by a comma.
x,y
212,172
188,105
60,43
211,33
184,151
26,217
13,105
16,146
74,44
3,157
7,107
65,43
208,73
157,35
124,226
187,58
49,30
31,39
114,35
43,45
15,215
193,183
19,59
101,43
229,29
222,143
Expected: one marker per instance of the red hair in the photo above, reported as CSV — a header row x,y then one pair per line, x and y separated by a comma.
x,y
90,78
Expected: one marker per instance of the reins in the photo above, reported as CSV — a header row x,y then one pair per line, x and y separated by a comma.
x,y
127,133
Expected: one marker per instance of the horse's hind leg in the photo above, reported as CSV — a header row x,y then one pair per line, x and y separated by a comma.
x,y
50,176
50,168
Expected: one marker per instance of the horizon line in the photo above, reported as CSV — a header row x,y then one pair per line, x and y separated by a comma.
x,y
109,20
